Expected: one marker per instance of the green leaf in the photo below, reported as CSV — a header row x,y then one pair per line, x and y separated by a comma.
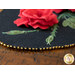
x,y
69,22
66,14
17,32
50,38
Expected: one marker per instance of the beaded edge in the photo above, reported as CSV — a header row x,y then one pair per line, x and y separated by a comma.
x,y
41,49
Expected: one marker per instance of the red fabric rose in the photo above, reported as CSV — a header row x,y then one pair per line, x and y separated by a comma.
x,y
37,18
73,10
60,10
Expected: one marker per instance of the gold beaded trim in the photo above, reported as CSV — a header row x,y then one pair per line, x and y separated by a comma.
x,y
41,49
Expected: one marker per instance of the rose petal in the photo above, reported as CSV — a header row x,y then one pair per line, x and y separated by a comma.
x,y
73,10
40,26
20,14
58,10
21,21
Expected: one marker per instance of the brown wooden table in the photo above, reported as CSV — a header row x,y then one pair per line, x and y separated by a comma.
x,y
19,57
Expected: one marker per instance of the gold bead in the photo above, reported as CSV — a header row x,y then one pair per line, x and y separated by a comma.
x,y
18,47
47,48
29,48
59,46
56,47
8,46
1,10
43,48
50,48
40,48
11,46
1,43
21,47
33,48
14,46
25,48
53,47
62,46
36,48
4,44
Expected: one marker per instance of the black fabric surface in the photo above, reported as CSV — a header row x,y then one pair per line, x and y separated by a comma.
x,y
34,40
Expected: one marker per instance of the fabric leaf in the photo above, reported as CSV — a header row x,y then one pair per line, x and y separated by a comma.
x,y
50,38
69,22
66,14
16,32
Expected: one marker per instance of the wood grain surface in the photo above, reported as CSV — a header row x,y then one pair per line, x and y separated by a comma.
x,y
19,57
